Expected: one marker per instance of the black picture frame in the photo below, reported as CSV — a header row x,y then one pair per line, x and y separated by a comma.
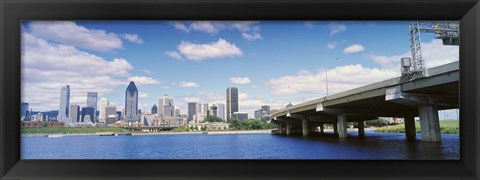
x,y
13,11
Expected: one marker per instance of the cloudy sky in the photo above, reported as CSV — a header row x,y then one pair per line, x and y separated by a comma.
x,y
271,63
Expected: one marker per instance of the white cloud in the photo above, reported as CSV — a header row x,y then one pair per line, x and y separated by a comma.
x,y
308,24
143,80
199,52
187,84
339,79
240,80
148,71
46,67
354,48
173,54
142,95
434,54
336,28
248,29
331,45
134,38
67,32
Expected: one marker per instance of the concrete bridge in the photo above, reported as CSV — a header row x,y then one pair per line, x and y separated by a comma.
x,y
396,97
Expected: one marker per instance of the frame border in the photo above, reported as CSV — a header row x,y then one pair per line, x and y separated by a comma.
x,y
12,11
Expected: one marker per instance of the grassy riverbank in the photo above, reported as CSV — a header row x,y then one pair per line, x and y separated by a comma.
x,y
77,130
446,127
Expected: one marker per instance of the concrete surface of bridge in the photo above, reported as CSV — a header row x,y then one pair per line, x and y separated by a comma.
x,y
396,97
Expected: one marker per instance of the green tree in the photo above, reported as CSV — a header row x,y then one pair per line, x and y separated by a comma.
x,y
212,119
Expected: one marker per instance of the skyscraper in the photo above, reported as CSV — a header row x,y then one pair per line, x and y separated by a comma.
x,y
64,103
192,110
232,101
87,114
23,111
74,113
110,114
205,108
92,98
103,108
166,106
154,109
131,102
266,108
220,110
213,110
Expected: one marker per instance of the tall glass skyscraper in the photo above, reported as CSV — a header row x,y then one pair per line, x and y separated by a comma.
x,y
192,110
232,101
23,111
64,104
92,98
131,102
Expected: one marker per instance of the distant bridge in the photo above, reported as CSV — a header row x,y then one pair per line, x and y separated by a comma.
x,y
396,97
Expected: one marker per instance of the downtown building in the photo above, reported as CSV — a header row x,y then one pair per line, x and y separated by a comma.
x,y
92,98
131,103
232,101
166,106
75,113
64,104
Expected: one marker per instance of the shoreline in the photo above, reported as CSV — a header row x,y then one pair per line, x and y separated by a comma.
x,y
266,131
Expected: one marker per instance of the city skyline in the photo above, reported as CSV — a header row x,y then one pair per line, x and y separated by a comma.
x,y
271,63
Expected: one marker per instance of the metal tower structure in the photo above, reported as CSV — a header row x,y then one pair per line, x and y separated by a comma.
x,y
414,66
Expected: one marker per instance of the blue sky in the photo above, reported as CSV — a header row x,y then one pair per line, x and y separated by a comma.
x,y
272,62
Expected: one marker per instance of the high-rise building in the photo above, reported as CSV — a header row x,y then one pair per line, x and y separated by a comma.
x,y
221,110
74,113
166,106
213,111
192,110
240,116
119,115
110,114
131,102
232,101
23,111
103,108
266,108
64,104
260,114
154,109
87,114
177,112
92,98
205,108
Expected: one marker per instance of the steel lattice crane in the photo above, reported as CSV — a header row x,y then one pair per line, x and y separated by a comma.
x,y
448,31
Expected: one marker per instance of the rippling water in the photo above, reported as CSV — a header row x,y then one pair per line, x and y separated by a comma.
x,y
239,146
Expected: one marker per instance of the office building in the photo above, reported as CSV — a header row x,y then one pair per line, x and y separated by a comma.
x,y
260,114
74,113
64,104
240,116
205,108
103,108
192,110
266,108
87,114
92,98
232,101
119,115
23,111
154,109
213,111
221,110
110,114
131,102
166,106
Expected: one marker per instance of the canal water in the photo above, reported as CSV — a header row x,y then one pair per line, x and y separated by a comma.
x,y
240,146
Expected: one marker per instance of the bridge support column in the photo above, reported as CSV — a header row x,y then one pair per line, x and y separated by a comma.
x,y
305,127
287,127
280,128
410,130
321,128
429,123
342,125
361,128
335,128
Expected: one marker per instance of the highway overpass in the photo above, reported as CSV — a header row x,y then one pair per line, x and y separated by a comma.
x,y
396,97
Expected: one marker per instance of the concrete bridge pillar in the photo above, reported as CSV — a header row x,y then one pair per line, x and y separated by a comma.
x,y
335,128
321,128
410,130
342,125
361,128
280,128
305,127
287,127
429,123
